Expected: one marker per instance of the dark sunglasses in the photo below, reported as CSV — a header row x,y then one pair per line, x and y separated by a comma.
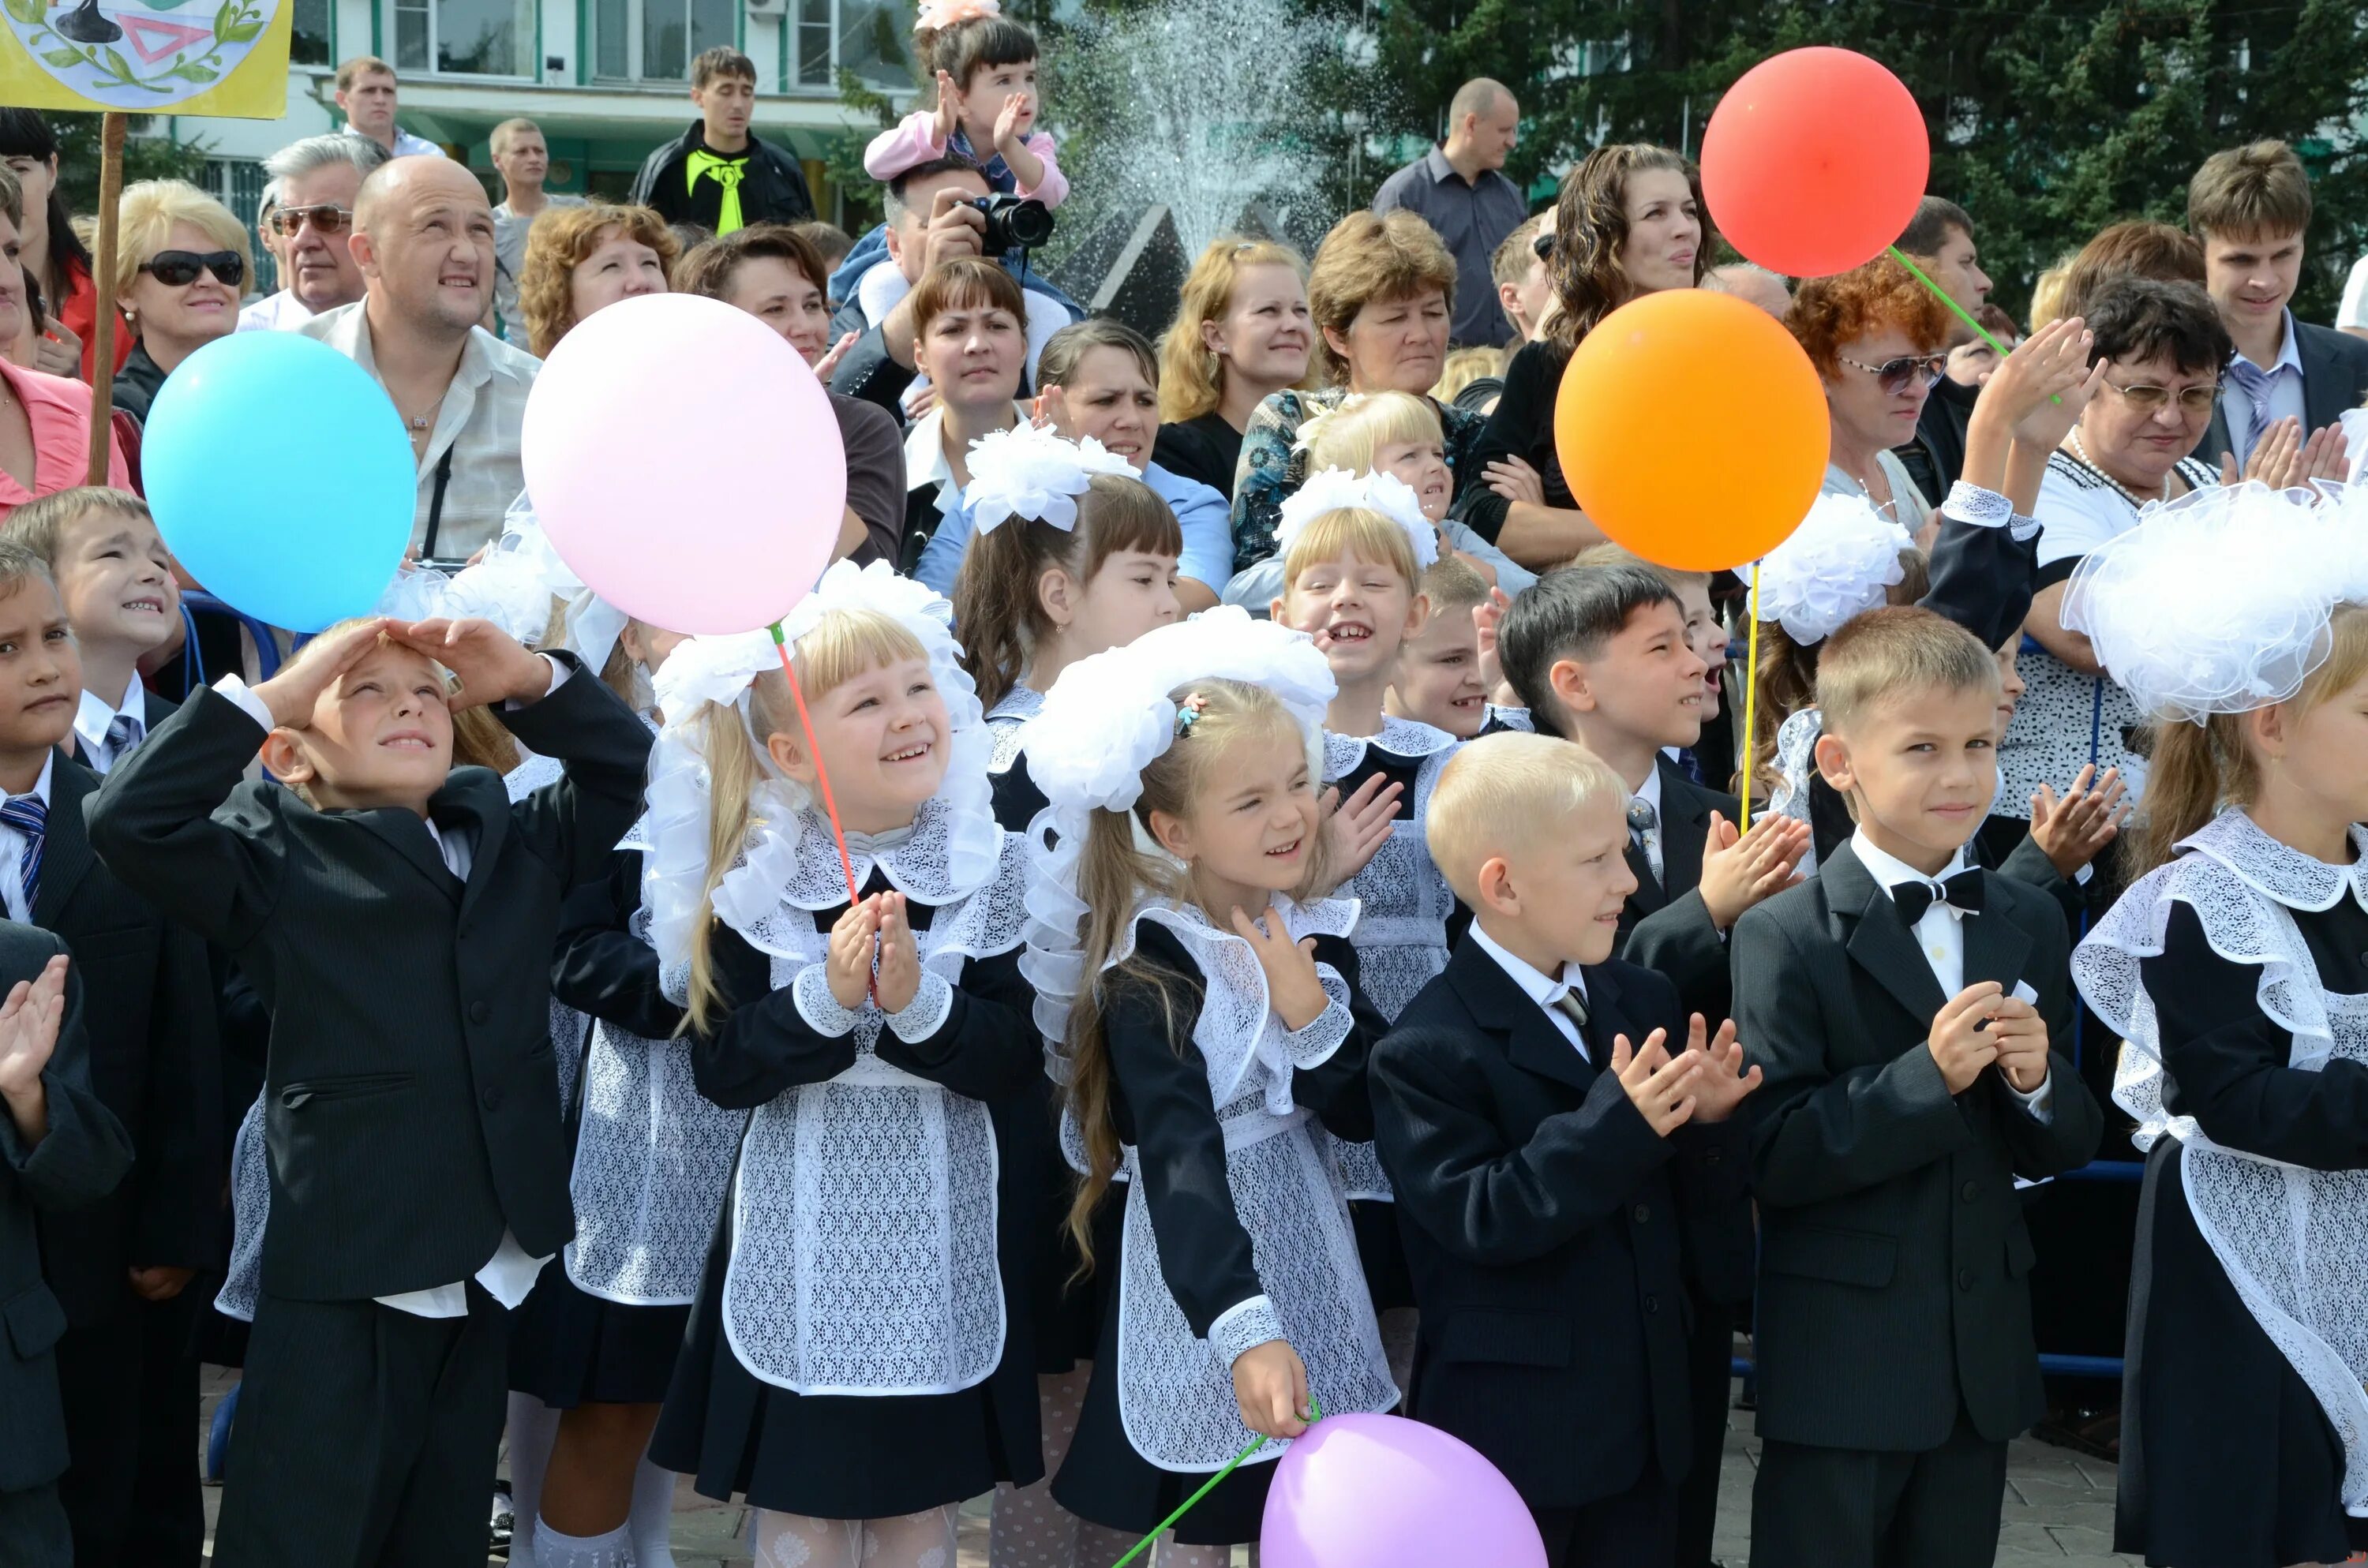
x,y
1544,243
1898,375
327,218
180,268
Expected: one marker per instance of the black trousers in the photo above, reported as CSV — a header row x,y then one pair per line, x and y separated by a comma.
x,y
130,1384
1638,1528
366,1437
1709,1381
1814,1507
33,1531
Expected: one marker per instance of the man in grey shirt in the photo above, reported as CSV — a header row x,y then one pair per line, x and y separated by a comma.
x,y
524,161
1459,188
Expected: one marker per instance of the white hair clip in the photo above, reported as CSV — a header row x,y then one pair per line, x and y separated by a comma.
x,y
1836,565
1028,471
1336,490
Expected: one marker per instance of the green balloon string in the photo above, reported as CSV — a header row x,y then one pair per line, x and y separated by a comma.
x,y
1943,296
1314,1414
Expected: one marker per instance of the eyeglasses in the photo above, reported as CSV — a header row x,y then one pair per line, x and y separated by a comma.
x,y
1898,375
327,217
180,268
1544,243
2147,399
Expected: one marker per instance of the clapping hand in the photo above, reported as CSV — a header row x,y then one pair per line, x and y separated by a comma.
x,y
900,956
1723,1081
2041,387
28,1033
1740,869
853,946
1355,829
2076,829
1011,123
1659,1087
2282,458
949,108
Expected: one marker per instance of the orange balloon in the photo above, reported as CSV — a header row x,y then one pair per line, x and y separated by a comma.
x,y
1693,429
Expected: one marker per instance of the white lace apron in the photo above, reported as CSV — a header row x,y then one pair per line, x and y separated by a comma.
x,y
1404,905
1176,1391
1009,724
250,1204
2293,1241
864,1257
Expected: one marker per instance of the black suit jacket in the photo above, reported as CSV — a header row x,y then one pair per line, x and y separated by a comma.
x,y
154,1062
2334,381
1893,1256
411,1100
79,1159
1664,924
1548,1230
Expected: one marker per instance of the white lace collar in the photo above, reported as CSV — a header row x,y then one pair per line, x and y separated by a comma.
x,y
1009,724
1407,738
1021,703
2276,871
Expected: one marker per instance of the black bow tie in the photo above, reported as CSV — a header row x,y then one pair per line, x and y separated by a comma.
x,y
1961,892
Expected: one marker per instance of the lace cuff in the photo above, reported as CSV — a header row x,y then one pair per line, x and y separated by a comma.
x,y
817,1007
1245,1326
1969,503
925,1014
1313,1046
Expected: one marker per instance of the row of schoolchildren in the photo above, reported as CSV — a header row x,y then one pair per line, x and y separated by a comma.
x,y
1117,887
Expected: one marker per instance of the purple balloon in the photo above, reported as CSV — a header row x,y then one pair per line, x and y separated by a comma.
x,y
1379,1492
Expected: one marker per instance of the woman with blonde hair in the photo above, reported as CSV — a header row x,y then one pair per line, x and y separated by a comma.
x,y
580,258
184,262
1241,334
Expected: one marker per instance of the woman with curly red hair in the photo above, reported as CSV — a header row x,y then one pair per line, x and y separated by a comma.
x,y
580,258
1879,339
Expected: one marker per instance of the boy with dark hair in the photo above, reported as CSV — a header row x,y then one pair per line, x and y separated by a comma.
x,y
117,1267
1557,1132
2248,208
1903,1006
1940,240
397,919
720,175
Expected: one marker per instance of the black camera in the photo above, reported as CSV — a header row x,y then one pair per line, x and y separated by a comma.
x,y
1013,222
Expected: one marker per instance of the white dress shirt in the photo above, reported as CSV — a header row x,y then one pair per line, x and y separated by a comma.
x,y
93,718
1942,935
1536,985
12,851
2285,395
406,146
274,313
510,1273
1649,792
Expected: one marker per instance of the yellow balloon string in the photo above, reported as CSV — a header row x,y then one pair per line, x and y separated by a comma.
x,y
1751,700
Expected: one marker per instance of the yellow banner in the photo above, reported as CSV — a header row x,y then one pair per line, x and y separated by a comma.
x,y
226,59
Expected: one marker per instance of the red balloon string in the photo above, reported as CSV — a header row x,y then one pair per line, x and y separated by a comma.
x,y
829,804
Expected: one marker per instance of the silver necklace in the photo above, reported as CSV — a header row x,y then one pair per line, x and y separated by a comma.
x,y
2080,450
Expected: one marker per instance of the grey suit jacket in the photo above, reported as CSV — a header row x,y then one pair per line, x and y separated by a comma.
x,y
2334,381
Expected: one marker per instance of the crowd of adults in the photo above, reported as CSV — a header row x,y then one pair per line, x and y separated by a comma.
x,y
1447,289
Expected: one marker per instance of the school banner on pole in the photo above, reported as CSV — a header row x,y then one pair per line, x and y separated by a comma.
x,y
225,58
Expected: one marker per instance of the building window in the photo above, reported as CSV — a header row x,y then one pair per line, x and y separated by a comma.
x,y
465,38
655,40
309,43
238,184
866,37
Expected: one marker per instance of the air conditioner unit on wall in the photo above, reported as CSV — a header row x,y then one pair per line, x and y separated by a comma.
x,y
766,7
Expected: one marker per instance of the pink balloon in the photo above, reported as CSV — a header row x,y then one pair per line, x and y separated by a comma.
x,y
1379,1492
685,463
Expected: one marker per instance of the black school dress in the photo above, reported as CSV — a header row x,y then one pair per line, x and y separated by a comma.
x,y
1241,1220
2227,1458
850,1456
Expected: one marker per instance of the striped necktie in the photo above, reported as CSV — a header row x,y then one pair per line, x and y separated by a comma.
x,y
124,734
29,816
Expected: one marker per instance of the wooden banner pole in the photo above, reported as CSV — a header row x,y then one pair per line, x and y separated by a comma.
x,y
102,368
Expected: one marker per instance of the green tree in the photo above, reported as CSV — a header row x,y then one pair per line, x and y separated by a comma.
x,y
145,157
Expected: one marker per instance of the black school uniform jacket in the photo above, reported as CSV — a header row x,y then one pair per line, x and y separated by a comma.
x,y
412,1104
1665,926
1548,1228
150,1014
1893,1256
77,1162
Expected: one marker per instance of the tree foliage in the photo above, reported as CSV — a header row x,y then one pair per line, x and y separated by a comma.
x,y
145,157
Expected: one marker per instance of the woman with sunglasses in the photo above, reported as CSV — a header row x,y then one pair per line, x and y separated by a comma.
x,y
1878,339
185,266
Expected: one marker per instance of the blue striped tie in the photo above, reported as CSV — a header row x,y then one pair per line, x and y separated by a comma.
x,y
124,734
29,814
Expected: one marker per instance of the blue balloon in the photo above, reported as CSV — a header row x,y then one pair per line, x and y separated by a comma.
x,y
280,476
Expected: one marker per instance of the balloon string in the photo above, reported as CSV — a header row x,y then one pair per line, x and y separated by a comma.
x,y
822,775
1314,1412
1947,299
1750,700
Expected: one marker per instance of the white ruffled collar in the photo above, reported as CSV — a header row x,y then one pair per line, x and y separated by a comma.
x,y
1408,738
2277,871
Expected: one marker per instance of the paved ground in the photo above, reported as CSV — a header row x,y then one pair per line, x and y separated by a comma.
x,y
2059,1510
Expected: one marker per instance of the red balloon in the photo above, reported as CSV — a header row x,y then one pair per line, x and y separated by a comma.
x,y
1815,161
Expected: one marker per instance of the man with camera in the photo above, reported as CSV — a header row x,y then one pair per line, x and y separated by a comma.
x,y
936,210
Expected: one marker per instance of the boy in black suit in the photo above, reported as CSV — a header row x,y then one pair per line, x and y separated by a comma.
x,y
115,579
396,918
1903,1006
117,1267
1602,656
60,1149
1531,1140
